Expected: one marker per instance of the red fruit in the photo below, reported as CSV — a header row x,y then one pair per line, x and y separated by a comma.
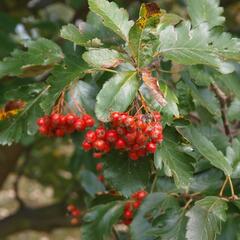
x,y
131,137
111,136
122,118
127,222
141,139
120,144
128,214
155,133
136,147
121,130
129,121
99,145
107,147
43,130
70,118
86,146
99,166
157,116
79,125
62,120
133,156
47,120
55,119
97,155
141,152
100,132
40,122
127,206
71,207
115,116
151,147
90,136
89,120
74,221
141,195
136,204
101,178
76,213
59,132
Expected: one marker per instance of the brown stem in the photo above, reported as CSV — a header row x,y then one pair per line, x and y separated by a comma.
x,y
223,186
222,98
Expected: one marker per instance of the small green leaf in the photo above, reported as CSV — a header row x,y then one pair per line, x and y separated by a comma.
x,y
113,17
24,123
205,219
90,183
100,219
117,94
207,11
102,58
42,54
179,163
126,175
206,148
234,110
233,157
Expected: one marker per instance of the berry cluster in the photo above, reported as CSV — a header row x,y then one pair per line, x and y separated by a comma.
x,y
74,213
99,168
132,205
137,135
59,125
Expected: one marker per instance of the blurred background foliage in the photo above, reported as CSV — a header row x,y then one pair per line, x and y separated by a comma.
x,y
47,167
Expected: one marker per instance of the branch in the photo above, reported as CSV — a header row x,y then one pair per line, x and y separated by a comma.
x,y
44,218
222,98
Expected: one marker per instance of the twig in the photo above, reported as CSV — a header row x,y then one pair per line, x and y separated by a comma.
x,y
223,186
154,183
222,98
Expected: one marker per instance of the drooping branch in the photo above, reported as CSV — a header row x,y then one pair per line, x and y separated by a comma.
x,y
44,218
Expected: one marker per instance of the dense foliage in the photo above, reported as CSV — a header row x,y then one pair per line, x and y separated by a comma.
x,y
154,103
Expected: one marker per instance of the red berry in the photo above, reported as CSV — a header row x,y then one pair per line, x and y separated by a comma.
x,y
128,214
86,146
97,155
70,118
131,137
43,130
100,132
120,144
151,147
133,156
55,119
121,130
127,222
129,121
79,125
62,120
111,136
115,116
71,207
101,178
76,213
141,195
99,145
127,206
40,122
141,152
89,120
90,136
99,166
136,204
74,221
59,132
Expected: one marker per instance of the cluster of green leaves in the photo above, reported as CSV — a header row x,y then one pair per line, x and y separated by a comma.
x,y
101,69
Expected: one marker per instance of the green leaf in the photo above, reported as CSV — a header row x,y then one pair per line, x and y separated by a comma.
x,y
90,183
184,45
42,54
179,163
171,226
117,94
233,157
205,219
102,58
24,123
126,175
100,219
83,94
206,148
72,69
113,17
72,33
205,11
141,226
234,110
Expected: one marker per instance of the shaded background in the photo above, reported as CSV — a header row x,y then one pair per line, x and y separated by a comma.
x,y
38,170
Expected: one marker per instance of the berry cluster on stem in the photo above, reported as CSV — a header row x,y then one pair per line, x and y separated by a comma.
x,y
137,135
74,213
58,125
132,205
